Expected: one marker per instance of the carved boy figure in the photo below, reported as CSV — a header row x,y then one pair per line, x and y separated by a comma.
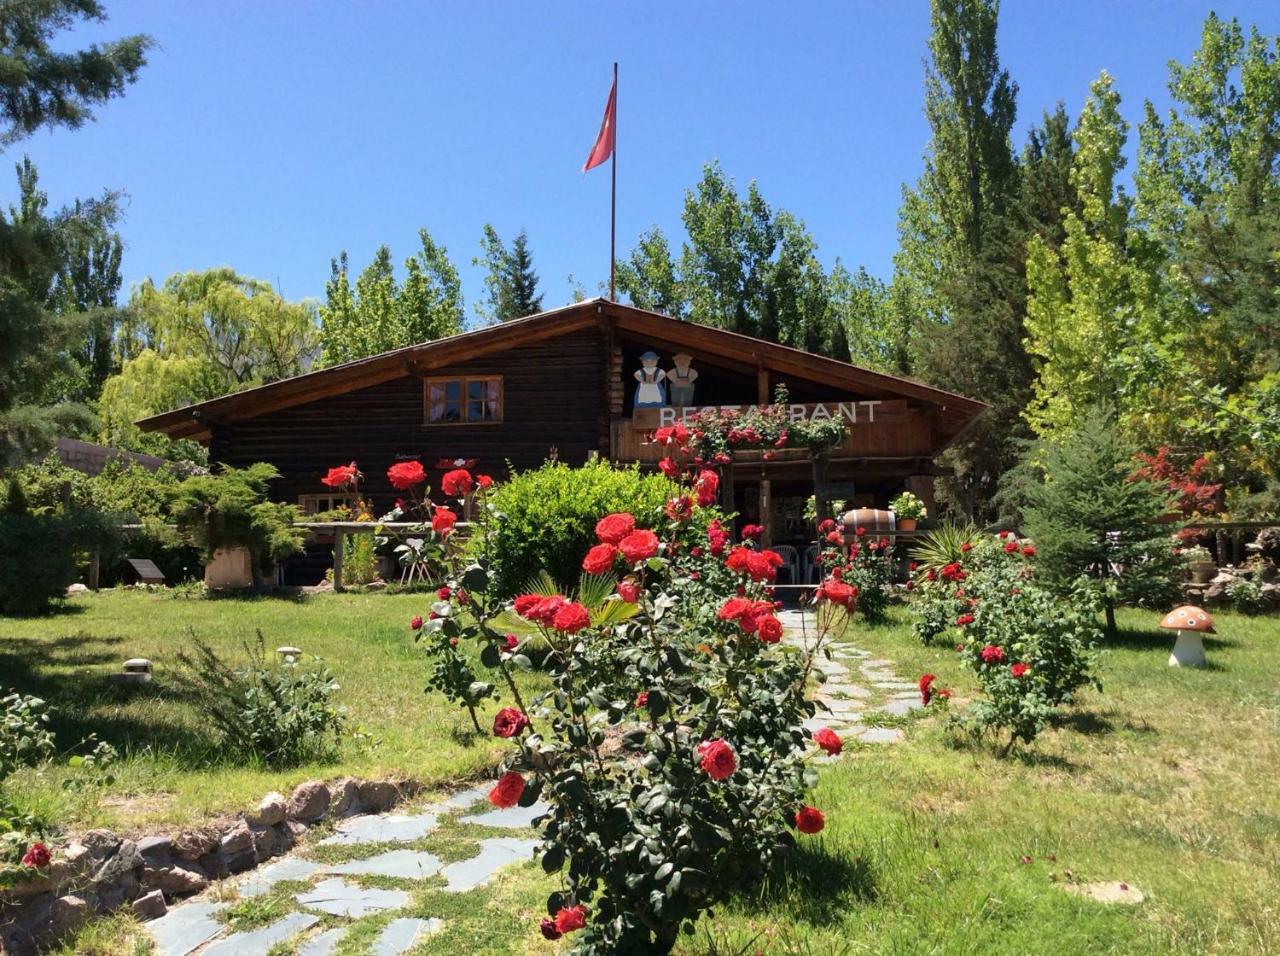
x,y
681,379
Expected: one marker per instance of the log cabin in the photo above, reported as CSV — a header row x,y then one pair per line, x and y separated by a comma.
x,y
593,378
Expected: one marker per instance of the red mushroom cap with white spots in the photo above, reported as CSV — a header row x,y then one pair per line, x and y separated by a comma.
x,y
1189,618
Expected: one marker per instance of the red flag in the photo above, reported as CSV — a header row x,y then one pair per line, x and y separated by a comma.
x,y
603,147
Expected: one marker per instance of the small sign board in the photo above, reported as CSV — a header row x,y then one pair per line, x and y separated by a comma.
x,y
142,571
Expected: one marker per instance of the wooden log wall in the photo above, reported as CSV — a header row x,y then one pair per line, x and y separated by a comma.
x,y
552,397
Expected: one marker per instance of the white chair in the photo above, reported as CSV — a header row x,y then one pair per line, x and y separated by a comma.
x,y
791,561
812,573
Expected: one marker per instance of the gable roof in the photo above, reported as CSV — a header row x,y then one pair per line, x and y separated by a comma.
x,y
194,421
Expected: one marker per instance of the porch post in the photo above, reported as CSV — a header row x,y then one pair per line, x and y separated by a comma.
x,y
820,487
339,548
766,512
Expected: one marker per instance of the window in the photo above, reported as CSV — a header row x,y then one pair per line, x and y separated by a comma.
x,y
316,504
463,400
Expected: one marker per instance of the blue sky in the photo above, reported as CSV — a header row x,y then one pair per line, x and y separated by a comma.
x,y
272,135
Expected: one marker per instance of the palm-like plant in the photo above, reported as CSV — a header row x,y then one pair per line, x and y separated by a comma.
x,y
942,545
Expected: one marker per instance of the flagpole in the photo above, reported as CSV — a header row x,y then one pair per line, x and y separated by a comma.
x,y
613,200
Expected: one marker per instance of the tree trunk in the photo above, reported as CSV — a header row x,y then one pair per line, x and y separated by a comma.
x,y
1111,619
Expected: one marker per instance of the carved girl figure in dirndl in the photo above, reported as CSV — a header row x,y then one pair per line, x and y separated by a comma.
x,y
650,393
681,379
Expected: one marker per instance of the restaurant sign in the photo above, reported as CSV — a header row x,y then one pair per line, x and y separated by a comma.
x,y
853,412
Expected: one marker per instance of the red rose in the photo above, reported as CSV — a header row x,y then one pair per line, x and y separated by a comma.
x,y
680,509
416,622
1002,535
508,722
926,688
834,537
443,593
638,546
599,559
642,699
966,547
912,565
717,537
837,592
526,603
613,528
1017,670
1029,550
1011,546
457,483
341,477
676,434
629,591
910,585
506,793
734,609
707,486
992,654
668,467
829,740
571,618
769,628
763,565
405,474
752,531
718,759
964,619
443,520
37,856
512,642
548,929
571,918
484,482
945,694
810,820
860,531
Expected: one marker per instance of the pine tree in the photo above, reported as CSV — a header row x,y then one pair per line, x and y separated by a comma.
x,y
1092,521
511,285
522,281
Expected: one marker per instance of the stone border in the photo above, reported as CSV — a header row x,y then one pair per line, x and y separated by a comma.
x,y
98,872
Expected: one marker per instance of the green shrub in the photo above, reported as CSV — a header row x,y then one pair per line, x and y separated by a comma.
x,y
230,509
549,515
37,561
25,737
279,713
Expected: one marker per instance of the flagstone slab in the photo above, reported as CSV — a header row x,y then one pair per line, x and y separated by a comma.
x,y
392,828
341,898
900,708
878,663
839,689
899,685
291,868
511,818
185,928
261,940
814,724
400,935
324,943
404,864
495,853
465,798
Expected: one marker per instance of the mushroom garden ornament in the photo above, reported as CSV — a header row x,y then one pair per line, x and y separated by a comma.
x,y
1190,622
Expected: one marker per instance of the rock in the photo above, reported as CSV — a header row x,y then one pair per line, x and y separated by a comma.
x,y
266,842
284,837
345,797
236,840
212,864
77,588
378,796
1113,892
296,828
124,861
150,906
309,802
67,915
174,880
193,844
100,844
270,811
155,849
114,895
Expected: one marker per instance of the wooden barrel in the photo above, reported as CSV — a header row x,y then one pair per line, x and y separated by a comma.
x,y
875,522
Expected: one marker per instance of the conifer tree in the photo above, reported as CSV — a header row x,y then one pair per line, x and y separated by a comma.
x,y
1092,522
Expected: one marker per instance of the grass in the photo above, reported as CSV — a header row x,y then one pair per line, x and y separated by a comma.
x,y
172,771
1165,781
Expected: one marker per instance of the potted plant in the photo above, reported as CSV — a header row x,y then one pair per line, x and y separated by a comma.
x,y
908,509
1200,564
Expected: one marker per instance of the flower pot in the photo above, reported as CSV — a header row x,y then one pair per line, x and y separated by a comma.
x,y
906,524
1203,572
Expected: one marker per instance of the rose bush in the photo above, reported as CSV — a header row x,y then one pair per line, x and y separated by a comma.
x,y
670,746
864,564
1030,649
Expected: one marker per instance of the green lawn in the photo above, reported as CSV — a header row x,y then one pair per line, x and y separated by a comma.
x,y
172,772
1166,780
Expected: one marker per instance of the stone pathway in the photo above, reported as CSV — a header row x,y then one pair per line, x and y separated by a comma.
x,y
857,686
339,894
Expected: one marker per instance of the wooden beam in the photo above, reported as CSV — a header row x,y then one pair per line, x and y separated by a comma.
x,y
762,382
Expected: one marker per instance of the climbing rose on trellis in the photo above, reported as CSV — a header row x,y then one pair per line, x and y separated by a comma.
x,y
670,745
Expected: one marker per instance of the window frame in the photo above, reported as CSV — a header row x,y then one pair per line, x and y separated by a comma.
x,y
335,499
463,381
